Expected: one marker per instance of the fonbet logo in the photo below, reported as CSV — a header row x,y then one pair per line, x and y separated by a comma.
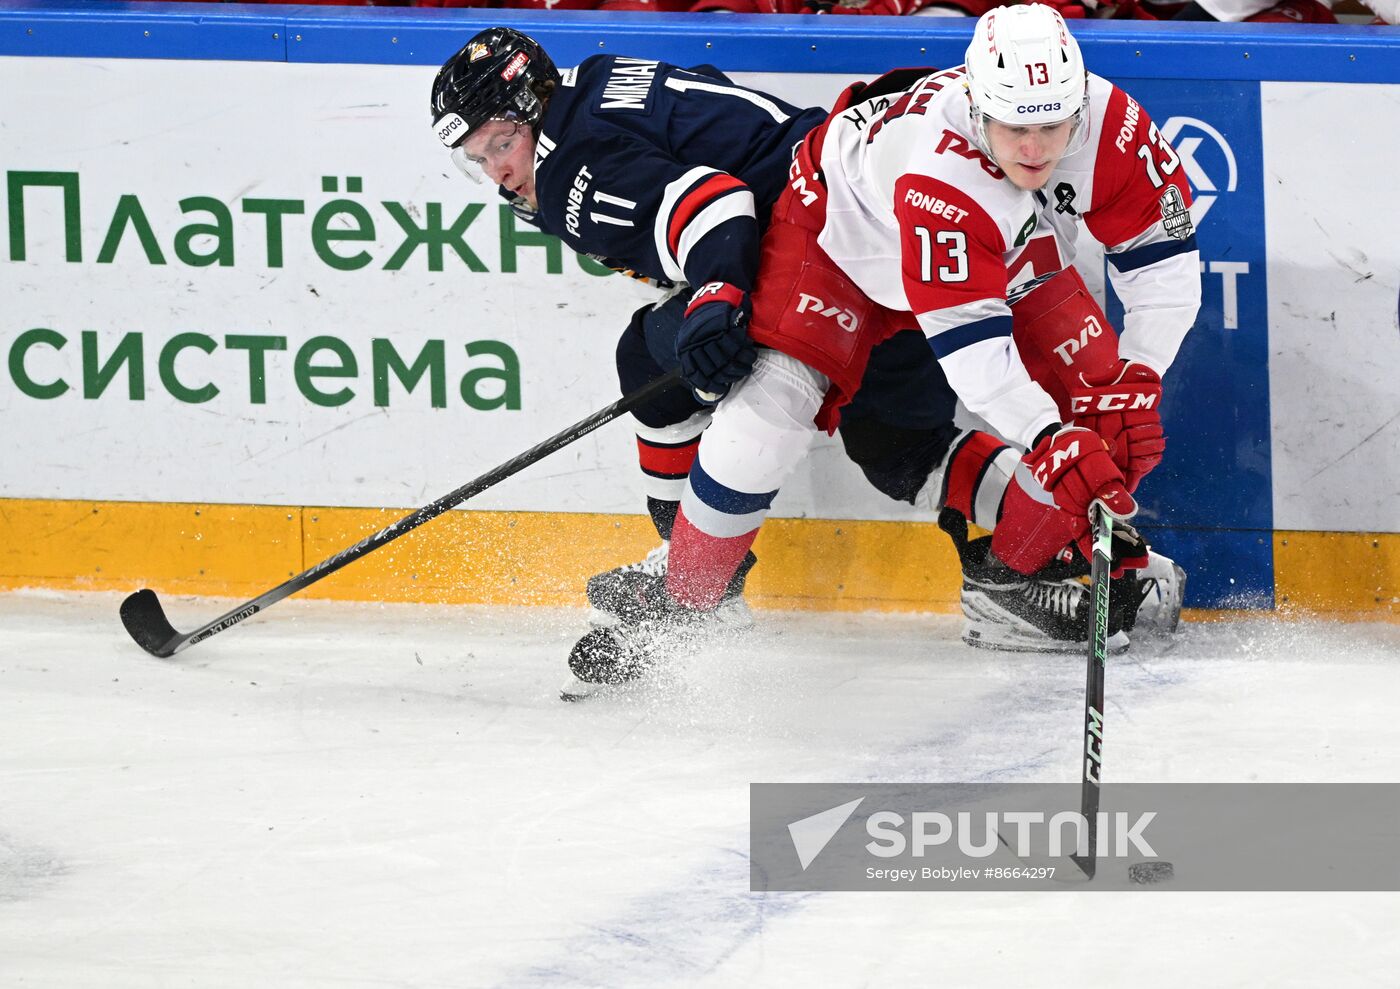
x,y
1210,167
514,66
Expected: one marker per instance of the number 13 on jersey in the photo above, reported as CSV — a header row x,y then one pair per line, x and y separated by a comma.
x,y
948,248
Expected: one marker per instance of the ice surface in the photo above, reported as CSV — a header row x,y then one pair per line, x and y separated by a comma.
x,y
363,795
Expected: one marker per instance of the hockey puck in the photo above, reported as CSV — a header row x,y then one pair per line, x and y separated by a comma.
x,y
1149,873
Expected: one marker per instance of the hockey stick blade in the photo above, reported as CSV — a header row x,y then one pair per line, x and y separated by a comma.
x,y
145,622
145,619
1086,864
1059,867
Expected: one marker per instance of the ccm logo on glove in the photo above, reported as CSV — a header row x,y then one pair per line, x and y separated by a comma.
x,y
1074,467
1121,406
1111,402
1058,458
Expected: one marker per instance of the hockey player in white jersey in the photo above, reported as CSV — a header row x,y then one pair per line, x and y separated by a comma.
x,y
952,201
980,179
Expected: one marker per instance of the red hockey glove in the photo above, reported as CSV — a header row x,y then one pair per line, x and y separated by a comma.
x,y
713,344
1122,407
1074,468
1046,505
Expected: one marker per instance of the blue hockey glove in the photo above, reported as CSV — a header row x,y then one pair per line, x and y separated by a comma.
x,y
713,343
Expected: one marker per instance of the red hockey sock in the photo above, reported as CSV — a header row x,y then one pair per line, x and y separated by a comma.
x,y
666,466
976,477
701,566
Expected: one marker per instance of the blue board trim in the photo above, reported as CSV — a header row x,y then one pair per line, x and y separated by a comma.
x,y
226,32
774,43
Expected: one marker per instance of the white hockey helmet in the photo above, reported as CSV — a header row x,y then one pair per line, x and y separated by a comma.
x,y
1024,69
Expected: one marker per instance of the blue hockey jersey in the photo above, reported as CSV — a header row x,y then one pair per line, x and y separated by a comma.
x,y
666,172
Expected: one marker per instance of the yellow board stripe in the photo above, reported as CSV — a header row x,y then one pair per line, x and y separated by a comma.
x,y
1345,573
538,558
544,558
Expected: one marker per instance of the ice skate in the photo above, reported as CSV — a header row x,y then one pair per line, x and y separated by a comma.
x,y
648,629
610,656
1049,612
606,656
1036,616
1007,610
611,593
1160,589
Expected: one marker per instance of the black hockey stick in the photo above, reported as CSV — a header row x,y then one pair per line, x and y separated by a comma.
x,y
1102,525
145,619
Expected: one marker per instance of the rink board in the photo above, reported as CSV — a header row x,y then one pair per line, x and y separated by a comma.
x,y
156,361
535,558
540,558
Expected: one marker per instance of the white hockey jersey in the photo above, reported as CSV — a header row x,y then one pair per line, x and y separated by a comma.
x,y
923,221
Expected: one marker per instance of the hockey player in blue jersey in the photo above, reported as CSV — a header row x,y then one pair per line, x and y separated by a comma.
x,y
670,174
665,173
